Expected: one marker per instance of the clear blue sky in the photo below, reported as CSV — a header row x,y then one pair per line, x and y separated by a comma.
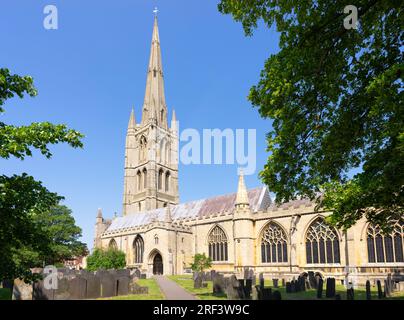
x,y
92,70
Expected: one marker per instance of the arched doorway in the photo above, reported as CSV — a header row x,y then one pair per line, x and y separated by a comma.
x,y
158,264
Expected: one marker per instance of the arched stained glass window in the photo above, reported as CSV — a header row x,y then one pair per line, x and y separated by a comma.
x,y
385,247
138,249
218,245
274,247
322,243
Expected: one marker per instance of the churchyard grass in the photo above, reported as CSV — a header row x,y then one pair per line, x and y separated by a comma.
x,y
187,283
5,294
154,292
360,293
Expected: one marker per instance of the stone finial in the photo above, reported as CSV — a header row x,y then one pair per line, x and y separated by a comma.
x,y
99,213
242,195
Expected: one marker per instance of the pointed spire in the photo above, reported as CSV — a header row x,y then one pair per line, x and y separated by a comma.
x,y
154,100
132,120
168,217
174,121
242,195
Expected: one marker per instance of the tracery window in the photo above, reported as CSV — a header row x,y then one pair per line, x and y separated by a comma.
x,y
138,249
274,247
113,245
322,243
218,245
385,247
160,179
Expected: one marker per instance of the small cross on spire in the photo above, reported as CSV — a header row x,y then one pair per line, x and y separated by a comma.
x,y
155,11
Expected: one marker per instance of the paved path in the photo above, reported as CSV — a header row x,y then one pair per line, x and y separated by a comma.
x,y
173,291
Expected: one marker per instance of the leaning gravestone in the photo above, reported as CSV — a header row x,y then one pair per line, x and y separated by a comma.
x,y
368,293
197,280
379,290
122,286
232,288
218,284
241,289
320,288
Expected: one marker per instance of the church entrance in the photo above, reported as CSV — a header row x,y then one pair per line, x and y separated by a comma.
x,y
158,264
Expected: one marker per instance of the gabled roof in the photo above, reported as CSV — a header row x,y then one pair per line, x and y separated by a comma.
x,y
259,200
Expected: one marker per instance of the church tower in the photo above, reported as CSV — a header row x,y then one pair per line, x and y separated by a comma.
x,y
151,152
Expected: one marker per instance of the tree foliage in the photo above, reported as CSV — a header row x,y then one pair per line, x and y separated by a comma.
x,y
201,262
32,226
106,259
335,96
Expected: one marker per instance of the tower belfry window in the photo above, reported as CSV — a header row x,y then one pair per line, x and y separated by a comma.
x,y
154,72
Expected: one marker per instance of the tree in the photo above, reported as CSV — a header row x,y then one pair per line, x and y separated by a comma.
x,y
22,199
201,262
59,226
335,96
106,259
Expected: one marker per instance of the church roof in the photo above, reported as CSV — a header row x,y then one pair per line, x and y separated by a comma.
x,y
259,200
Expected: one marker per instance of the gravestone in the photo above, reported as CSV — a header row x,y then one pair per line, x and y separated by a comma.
x,y
78,287
368,293
63,292
246,273
232,288
379,289
388,286
251,274
197,280
288,287
350,295
108,284
22,290
266,293
208,276
275,283
283,282
312,280
143,276
330,288
122,286
248,288
255,293
241,289
261,280
218,284
135,288
40,293
293,286
276,295
320,288
137,273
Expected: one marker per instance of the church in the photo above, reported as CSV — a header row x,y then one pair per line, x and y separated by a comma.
x,y
242,230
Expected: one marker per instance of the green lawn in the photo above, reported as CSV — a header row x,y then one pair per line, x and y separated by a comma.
x,y
187,283
360,294
154,292
5,294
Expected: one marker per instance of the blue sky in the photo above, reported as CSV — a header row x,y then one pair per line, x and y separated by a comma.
x,y
92,70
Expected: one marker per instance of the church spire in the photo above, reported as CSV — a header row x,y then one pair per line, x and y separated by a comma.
x,y
242,195
132,121
154,107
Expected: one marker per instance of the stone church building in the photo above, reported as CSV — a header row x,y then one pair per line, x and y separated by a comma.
x,y
245,229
